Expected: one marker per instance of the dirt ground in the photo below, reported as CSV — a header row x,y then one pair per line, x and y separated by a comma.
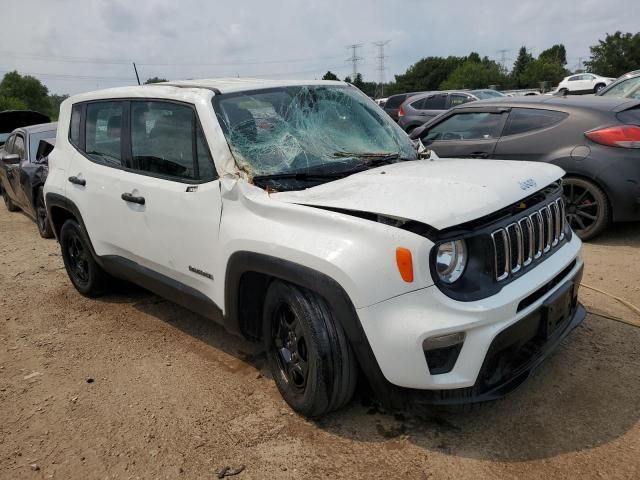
x,y
132,386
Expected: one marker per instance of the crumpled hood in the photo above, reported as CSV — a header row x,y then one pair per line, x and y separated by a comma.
x,y
441,193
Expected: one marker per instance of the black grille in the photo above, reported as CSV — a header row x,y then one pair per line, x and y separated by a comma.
x,y
528,238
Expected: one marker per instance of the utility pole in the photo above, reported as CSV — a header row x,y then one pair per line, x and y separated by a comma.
x,y
381,68
354,59
503,57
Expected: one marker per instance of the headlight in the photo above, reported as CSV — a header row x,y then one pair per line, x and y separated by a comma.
x,y
451,259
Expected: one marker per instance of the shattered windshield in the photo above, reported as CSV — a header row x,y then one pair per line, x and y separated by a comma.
x,y
304,129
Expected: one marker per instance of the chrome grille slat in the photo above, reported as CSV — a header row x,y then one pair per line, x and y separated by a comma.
x,y
520,243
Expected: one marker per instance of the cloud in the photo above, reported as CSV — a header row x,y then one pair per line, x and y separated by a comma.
x,y
289,38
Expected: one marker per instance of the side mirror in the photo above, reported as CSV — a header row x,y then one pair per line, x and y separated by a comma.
x,y
11,159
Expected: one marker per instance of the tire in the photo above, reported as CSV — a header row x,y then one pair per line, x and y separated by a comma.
x,y
308,353
42,219
563,91
598,87
83,271
587,206
8,202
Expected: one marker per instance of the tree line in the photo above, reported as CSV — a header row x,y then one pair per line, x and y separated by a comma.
x,y
615,55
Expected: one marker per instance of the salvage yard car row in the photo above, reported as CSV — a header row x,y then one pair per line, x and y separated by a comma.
x,y
300,216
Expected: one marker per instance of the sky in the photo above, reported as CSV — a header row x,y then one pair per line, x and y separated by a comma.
x,y
74,46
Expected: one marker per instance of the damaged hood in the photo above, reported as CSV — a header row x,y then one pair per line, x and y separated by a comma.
x,y
441,193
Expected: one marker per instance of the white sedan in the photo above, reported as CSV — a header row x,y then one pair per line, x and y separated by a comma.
x,y
583,83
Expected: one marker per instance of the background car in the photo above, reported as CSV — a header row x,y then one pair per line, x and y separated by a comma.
x,y
486,93
23,172
392,105
583,83
596,140
12,119
421,108
628,85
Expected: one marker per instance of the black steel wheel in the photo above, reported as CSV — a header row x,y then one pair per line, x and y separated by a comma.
x,y
587,207
83,271
42,219
8,202
309,355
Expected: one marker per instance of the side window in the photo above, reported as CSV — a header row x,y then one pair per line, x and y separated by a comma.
x,y
74,126
18,146
466,126
418,104
164,141
527,119
574,78
436,102
103,129
8,146
459,100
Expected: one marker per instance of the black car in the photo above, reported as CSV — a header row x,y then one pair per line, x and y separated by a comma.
x,y
23,171
596,140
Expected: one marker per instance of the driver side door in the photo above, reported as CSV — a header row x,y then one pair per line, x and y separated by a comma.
x,y
466,133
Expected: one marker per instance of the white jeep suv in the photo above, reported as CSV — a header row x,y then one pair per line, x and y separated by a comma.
x,y
299,215
583,83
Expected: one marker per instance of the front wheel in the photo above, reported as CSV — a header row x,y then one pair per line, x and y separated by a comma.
x,y
42,219
309,355
598,87
587,207
85,274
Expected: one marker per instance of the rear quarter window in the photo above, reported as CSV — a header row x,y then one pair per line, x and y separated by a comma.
x,y
74,126
523,120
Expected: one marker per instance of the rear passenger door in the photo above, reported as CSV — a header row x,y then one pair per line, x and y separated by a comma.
x,y
529,135
170,197
466,133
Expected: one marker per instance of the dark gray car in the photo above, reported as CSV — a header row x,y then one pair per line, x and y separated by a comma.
x,y
421,108
392,105
596,140
23,171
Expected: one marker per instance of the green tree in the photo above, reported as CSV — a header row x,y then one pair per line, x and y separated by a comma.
x,y
154,80
555,54
542,73
615,55
54,104
330,76
347,79
10,103
27,89
520,65
475,73
426,74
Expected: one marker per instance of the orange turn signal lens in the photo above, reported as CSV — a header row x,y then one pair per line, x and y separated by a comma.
x,y
405,263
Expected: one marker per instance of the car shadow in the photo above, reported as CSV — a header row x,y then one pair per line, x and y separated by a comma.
x,y
585,395
619,234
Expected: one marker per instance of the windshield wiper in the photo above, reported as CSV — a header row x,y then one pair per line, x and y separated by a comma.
x,y
299,176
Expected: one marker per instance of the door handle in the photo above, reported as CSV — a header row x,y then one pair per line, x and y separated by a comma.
x,y
78,181
127,197
480,155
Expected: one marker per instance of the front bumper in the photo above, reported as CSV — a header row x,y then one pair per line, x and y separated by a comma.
x,y
396,329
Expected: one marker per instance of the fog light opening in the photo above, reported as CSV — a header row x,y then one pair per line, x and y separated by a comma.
x,y
442,352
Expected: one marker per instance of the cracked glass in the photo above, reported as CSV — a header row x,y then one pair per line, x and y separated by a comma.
x,y
305,129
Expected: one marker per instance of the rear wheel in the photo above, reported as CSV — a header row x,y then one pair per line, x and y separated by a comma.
x,y
42,219
309,356
85,274
8,202
598,87
587,206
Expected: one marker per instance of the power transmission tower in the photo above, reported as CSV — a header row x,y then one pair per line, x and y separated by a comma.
x,y
503,57
381,69
354,59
